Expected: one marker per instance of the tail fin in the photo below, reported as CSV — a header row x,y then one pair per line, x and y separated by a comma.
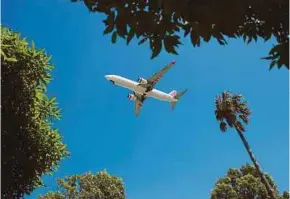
x,y
176,95
173,93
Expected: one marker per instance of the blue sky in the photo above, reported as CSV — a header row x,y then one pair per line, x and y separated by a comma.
x,y
160,154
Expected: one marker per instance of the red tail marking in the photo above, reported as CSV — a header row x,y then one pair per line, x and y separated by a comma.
x,y
173,93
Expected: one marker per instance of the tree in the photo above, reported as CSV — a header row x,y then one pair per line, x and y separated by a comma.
x,y
30,146
244,183
88,186
163,22
232,110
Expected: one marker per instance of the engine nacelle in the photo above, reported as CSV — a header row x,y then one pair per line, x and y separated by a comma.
x,y
142,81
131,97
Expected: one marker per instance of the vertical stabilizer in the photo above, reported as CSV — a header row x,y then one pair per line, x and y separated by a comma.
x,y
173,93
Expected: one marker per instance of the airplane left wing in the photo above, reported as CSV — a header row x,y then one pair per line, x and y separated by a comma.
x,y
157,76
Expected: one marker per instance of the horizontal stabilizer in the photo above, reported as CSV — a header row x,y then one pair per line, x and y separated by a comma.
x,y
176,95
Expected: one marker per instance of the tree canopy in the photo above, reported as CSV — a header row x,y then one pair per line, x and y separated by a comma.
x,y
162,23
244,183
98,186
30,145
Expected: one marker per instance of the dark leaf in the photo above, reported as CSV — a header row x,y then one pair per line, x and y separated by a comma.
x,y
255,37
274,49
114,37
121,26
169,43
221,42
195,40
142,41
186,32
108,29
272,64
223,126
249,40
268,58
206,38
267,36
157,46
130,35
244,37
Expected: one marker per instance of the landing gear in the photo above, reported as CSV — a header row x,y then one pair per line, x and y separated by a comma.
x,y
148,89
112,82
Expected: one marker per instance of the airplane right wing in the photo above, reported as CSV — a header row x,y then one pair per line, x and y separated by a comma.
x,y
157,76
138,103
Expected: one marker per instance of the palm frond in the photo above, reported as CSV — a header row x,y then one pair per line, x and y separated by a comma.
x,y
232,109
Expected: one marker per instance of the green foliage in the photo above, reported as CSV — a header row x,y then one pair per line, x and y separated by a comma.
x,y
162,22
99,186
285,195
244,183
232,110
30,146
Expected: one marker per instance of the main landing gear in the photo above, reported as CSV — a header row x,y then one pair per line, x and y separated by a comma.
x,y
148,89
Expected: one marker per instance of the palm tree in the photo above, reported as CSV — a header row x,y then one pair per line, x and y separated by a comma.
x,y
232,111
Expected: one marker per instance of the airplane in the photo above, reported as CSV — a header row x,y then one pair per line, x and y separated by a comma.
x,y
144,88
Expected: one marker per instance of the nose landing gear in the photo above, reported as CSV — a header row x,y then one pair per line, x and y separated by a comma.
x,y
112,82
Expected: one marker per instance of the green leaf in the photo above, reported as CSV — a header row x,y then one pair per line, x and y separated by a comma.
x,y
3,54
11,59
53,100
33,45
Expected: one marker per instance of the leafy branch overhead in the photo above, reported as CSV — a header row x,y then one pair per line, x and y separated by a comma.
x,y
161,22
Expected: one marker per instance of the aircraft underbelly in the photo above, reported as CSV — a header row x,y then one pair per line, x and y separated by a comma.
x,y
159,95
139,89
126,83
134,86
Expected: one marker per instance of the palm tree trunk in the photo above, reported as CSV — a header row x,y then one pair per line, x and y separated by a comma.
x,y
254,160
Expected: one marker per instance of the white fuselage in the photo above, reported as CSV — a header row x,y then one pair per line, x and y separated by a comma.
x,y
135,86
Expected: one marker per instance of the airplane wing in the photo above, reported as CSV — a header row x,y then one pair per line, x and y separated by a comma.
x,y
157,76
138,103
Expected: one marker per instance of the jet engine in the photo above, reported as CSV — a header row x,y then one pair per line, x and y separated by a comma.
x,y
131,97
142,81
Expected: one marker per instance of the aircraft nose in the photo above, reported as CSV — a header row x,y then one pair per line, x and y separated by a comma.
x,y
108,77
